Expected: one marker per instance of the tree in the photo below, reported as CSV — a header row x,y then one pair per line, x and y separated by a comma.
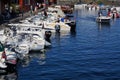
x,y
99,2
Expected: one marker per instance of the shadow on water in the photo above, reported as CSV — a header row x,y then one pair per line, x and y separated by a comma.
x,y
73,30
39,57
57,37
25,62
49,40
73,33
113,21
9,75
103,26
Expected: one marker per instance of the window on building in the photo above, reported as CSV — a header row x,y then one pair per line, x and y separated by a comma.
x,y
27,2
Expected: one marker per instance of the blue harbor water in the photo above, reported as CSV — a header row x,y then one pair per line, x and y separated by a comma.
x,y
90,53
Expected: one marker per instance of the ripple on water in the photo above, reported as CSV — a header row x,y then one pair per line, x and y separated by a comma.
x,y
92,53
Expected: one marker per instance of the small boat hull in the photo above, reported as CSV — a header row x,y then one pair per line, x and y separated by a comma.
x,y
103,19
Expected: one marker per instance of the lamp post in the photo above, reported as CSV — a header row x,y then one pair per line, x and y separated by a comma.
x,y
0,6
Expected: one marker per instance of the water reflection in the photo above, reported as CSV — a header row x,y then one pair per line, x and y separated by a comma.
x,y
25,61
9,76
113,21
103,26
57,37
41,57
73,33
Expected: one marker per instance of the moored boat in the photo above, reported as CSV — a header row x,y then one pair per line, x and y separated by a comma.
x,y
103,19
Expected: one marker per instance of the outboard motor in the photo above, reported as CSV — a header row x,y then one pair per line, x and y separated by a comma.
x,y
48,35
57,28
73,26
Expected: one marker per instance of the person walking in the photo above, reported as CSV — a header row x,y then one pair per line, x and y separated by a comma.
x,y
31,10
36,10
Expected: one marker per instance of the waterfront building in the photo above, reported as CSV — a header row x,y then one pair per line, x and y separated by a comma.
x,y
4,5
25,4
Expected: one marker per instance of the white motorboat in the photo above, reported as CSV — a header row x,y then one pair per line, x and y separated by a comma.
x,y
3,65
22,48
24,25
11,56
47,24
54,26
117,8
37,43
32,41
103,19
29,29
57,10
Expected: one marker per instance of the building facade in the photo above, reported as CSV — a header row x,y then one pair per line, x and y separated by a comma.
x,y
4,5
23,5
26,4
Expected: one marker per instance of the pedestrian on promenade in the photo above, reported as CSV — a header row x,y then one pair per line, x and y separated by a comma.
x,y
11,9
36,10
31,10
45,14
